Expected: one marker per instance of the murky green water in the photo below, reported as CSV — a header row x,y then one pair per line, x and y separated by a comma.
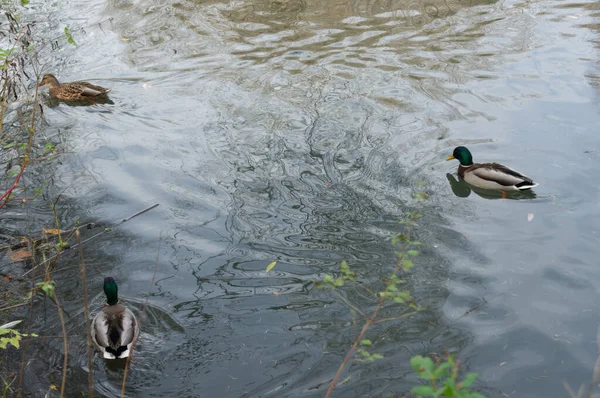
x,y
296,131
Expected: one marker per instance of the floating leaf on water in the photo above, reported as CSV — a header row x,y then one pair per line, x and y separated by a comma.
x,y
124,39
20,255
10,325
529,216
52,231
270,266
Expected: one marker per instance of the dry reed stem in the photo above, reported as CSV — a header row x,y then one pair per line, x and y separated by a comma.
x,y
86,311
26,345
12,307
65,346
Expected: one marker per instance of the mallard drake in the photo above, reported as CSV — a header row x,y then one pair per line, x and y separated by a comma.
x,y
75,91
114,329
492,176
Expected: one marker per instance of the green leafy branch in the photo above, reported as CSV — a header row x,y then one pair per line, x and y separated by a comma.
x,y
392,292
69,36
442,378
8,335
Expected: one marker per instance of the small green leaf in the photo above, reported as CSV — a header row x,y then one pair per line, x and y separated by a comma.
x,y
407,264
469,379
412,253
442,370
450,383
339,282
424,391
428,365
377,356
4,331
366,342
47,287
15,341
69,36
416,362
344,266
24,2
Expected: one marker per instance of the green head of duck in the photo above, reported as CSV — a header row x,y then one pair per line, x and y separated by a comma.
x,y
111,290
463,155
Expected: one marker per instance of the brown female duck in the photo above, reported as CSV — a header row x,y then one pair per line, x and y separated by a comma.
x,y
75,91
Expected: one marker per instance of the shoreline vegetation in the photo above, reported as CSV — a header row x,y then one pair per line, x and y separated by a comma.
x,y
440,376
29,158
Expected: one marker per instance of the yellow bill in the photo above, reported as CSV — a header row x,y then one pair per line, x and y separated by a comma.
x,y
450,157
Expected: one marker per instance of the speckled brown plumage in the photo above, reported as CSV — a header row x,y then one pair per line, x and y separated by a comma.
x,y
75,91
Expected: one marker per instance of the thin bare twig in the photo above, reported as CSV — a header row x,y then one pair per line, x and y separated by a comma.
x,y
349,304
13,307
65,346
86,311
26,345
139,213
395,318
92,237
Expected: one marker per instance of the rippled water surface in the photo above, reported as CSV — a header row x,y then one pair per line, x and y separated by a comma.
x,y
296,131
